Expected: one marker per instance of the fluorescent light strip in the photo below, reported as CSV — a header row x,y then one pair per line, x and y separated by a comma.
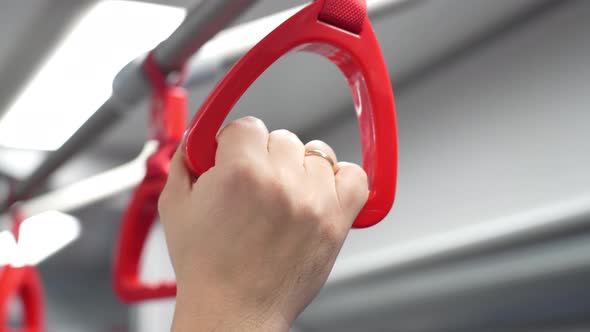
x,y
40,236
77,78
7,248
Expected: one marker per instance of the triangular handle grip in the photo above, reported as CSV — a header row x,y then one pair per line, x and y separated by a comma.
x,y
359,58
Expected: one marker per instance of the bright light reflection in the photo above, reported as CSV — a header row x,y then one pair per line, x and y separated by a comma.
x,y
40,237
7,248
77,78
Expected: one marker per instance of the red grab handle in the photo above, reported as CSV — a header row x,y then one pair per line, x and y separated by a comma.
x,y
138,219
25,283
340,31
167,125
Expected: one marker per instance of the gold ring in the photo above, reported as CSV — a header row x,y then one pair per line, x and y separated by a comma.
x,y
321,154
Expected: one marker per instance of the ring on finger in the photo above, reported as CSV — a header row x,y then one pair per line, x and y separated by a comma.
x,y
321,154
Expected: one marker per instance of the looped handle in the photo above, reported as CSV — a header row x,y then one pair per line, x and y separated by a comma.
x,y
359,58
25,283
167,125
141,213
168,112
318,28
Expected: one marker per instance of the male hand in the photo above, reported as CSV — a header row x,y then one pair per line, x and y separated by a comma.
x,y
253,240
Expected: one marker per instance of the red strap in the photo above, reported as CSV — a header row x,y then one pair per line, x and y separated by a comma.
x,y
168,105
167,125
25,283
345,14
17,220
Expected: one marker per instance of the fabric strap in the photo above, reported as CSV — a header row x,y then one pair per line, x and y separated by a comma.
x,y
345,14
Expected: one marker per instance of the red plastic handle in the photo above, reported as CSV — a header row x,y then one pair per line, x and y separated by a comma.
x,y
137,221
358,56
336,29
25,283
167,125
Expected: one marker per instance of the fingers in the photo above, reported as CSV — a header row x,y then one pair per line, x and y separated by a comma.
x,y
248,138
179,177
245,138
178,184
352,188
285,149
318,168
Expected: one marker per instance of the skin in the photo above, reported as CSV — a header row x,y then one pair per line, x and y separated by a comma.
x,y
253,240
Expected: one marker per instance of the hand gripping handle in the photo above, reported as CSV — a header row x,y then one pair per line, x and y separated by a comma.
x,y
340,31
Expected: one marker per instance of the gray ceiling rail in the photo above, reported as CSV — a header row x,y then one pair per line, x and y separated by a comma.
x,y
130,87
203,66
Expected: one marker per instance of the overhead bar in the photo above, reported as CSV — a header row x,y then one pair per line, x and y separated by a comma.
x,y
231,44
130,87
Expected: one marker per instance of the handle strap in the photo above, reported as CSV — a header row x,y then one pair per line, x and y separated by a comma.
x,y
348,15
24,283
168,112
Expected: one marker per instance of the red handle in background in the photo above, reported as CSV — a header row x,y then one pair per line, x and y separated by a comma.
x,y
340,31
24,283
167,125
137,221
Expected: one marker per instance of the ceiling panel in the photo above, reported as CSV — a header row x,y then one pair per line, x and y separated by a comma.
x,y
301,90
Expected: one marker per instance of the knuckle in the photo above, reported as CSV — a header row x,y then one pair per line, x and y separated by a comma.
x,y
250,122
319,145
246,123
355,175
311,211
359,175
322,146
286,134
330,232
280,193
242,172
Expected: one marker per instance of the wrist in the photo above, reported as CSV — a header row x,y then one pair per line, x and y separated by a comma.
x,y
205,313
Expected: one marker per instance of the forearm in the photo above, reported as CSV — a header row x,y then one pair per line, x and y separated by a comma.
x,y
206,315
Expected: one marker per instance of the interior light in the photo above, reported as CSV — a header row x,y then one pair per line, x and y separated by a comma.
x,y
7,248
45,234
77,77
40,236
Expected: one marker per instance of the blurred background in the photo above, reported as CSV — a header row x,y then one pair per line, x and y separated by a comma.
x,y
490,230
